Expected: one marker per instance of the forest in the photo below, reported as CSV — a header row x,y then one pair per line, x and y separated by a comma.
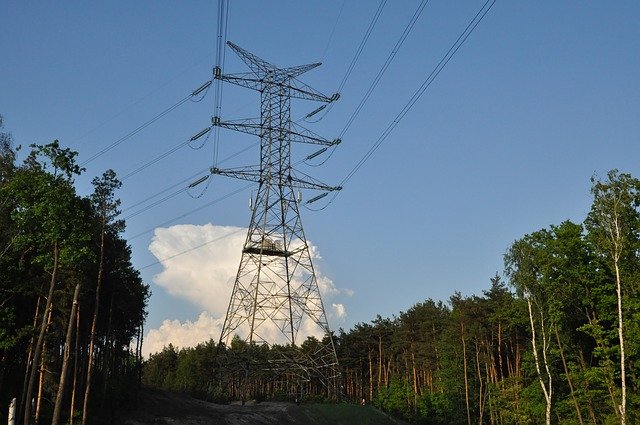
x,y
555,338
72,307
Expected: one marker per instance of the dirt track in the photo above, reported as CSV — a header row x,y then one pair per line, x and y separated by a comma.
x,y
156,407
166,408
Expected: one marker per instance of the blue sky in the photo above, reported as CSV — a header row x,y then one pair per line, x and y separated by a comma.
x,y
541,96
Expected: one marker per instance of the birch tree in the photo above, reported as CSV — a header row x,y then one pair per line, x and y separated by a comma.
x,y
614,227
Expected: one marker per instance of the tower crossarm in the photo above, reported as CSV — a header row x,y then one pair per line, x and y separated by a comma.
x,y
294,87
250,173
295,133
308,182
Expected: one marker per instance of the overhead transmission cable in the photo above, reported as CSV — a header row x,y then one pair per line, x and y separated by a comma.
x,y
333,30
183,188
145,96
174,149
385,66
165,190
221,40
378,77
471,26
343,82
354,60
141,127
188,213
240,230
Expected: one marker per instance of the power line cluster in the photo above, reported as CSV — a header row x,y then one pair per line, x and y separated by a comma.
x,y
199,93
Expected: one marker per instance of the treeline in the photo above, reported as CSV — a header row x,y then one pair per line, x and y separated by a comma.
x,y
557,340
72,306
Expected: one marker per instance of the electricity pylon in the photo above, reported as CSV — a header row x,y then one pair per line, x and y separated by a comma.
x,y
276,298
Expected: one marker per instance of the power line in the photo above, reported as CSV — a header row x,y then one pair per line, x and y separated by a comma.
x,y
138,129
223,27
378,77
188,213
182,189
386,64
354,60
153,91
166,190
471,26
333,30
191,249
363,42
407,107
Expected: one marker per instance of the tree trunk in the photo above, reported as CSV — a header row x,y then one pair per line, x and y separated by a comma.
x,y
41,374
481,401
370,377
547,391
566,372
29,363
75,369
379,363
107,357
415,382
94,324
501,370
43,329
466,381
623,380
65,359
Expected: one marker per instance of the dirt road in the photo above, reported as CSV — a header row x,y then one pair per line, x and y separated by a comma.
x,y
157,407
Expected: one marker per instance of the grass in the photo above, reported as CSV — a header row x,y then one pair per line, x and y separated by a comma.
x,y
348,414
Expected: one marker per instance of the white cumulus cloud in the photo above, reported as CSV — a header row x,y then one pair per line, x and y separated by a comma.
x,y
203,276
200,265
181,335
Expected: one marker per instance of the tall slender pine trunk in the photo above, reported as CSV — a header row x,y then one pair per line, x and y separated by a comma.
x,y
466,381
76,362
57,409
94,324
39,344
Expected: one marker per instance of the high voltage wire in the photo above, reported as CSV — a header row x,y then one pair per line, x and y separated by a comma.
x,y
188,213
223,27
425,85
367,34
153,91
182,189
157,159
479,16
333,30
482,12
385,66
354,60
141,127
378,77
165,190
192,249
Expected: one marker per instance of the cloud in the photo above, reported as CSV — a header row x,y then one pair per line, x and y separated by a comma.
x,y
339,311
204,275
181,335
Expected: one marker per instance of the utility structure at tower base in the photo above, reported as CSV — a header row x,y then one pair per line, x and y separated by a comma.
x,y
276,298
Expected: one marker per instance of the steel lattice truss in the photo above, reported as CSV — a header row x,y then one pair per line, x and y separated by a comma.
x,y
276,298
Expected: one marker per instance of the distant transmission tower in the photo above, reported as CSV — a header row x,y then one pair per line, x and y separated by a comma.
x,y
276,298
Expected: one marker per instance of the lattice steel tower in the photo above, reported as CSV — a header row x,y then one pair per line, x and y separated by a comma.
x,y
276,298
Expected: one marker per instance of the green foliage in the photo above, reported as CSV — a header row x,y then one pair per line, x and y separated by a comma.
x,y
432,360
393,398
41,215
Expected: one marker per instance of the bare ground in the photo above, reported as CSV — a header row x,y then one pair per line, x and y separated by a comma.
x,y
158,407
